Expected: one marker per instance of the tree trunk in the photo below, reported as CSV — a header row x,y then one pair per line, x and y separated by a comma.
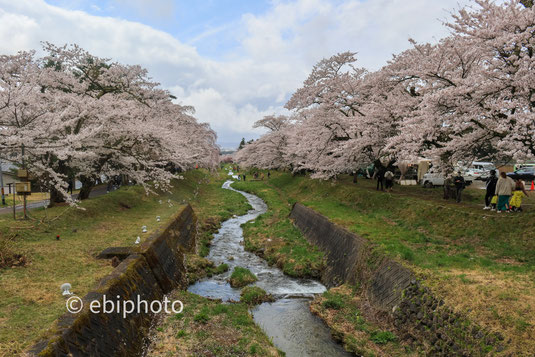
x,y
55,197
87,185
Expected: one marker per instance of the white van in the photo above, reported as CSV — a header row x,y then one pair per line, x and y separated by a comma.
x,y
431,180
480,170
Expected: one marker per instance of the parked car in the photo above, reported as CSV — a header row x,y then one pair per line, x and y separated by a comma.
x,y
431,180
480,170
525,173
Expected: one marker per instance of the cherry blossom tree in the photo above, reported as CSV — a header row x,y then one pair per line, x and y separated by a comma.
x,y
470,95
328,105
77,115
268,151
503,98
476,88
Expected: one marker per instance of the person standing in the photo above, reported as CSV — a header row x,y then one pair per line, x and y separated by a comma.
x,y
389,180
459,183
491,189
518,193
504,188
109,186
380,178
448,183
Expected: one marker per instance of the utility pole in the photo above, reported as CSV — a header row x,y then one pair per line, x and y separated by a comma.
x,y
24,168
2,184
14,209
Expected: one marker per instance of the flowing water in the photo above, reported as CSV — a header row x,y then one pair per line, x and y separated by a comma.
x,y
288,320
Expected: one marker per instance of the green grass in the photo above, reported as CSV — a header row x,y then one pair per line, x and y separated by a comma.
x,y
415,224
30,298
241,277
274,237
214,205
221,268
211,328
470,257
340,309
254,295
382,337
333,301
201,317
19,199
199,267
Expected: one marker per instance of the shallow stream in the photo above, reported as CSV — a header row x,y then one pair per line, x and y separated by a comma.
x,y
287,321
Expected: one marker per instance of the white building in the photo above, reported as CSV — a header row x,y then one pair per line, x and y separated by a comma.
x,y
9,177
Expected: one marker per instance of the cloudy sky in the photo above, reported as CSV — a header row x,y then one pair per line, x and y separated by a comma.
x,y
234,60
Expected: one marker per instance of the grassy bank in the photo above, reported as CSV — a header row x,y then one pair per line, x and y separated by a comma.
x,y
273,236
30,298
480,262
359,332
209,328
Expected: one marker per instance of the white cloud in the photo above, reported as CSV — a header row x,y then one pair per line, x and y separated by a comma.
x,y
13,32
223,115
149,8
306,31
277,48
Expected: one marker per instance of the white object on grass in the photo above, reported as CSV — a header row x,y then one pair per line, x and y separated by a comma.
x,y
65,289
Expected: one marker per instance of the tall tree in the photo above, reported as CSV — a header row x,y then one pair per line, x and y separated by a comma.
x,y
80,115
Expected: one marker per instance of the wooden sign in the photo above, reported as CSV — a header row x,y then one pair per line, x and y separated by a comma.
x,y
22,173
23,188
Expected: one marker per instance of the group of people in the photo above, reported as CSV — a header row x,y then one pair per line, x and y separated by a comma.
x,y
385,179
256,176
504,194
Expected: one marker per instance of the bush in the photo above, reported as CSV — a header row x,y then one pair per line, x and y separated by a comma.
x,y
241,277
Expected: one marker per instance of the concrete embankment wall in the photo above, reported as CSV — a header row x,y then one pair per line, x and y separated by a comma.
x,y
154,269
415,312
351,259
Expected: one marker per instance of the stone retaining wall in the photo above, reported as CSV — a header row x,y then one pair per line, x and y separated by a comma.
x,y
155,269
350,259
414,311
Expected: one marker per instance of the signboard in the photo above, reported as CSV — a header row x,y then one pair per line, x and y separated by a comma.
x,y
23,187
22,173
